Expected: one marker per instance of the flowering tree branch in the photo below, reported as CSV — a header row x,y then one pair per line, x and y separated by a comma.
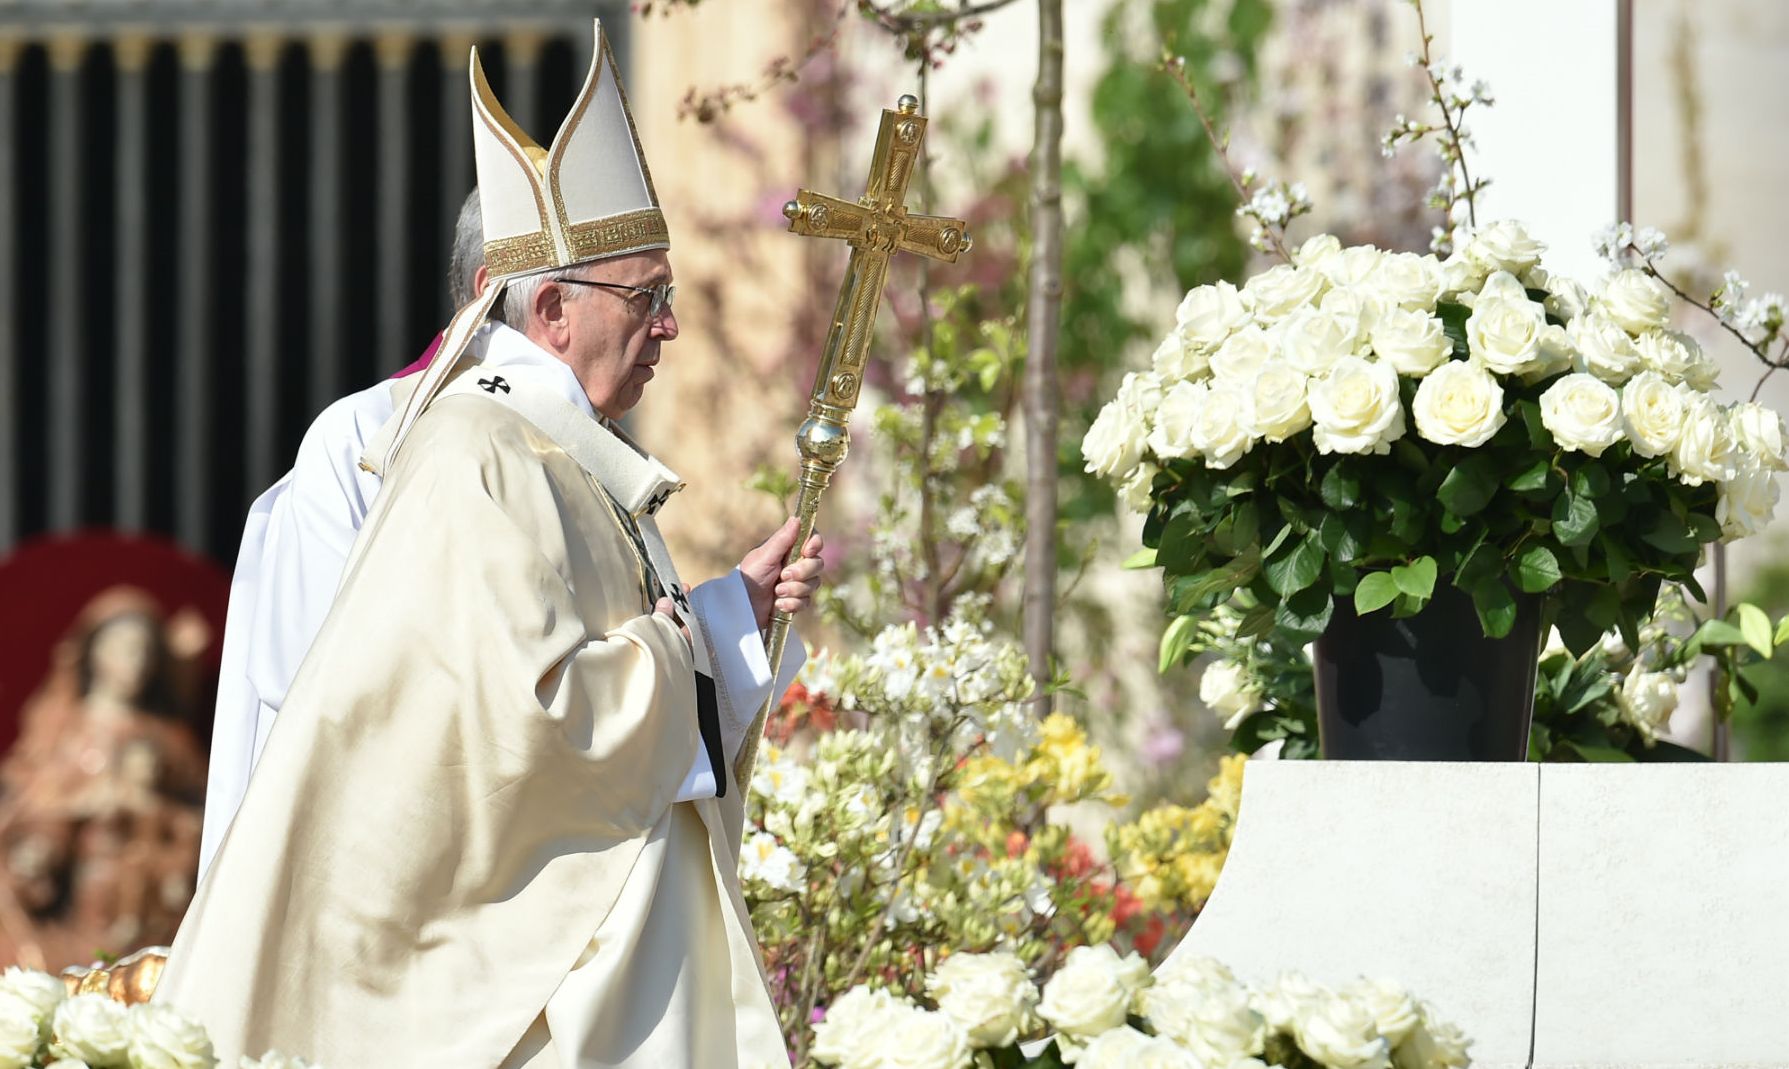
x,y
1457,187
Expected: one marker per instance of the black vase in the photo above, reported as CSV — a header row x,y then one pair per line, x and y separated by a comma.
x,y
1430,687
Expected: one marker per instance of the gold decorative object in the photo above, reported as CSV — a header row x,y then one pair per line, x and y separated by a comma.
x,y
130,980
876,227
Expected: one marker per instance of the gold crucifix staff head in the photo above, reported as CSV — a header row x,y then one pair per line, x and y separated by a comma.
x,y
875,227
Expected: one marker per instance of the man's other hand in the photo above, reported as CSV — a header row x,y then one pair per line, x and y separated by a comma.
x,y
665,607
773,586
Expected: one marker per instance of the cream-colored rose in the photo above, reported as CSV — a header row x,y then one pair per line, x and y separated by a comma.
x,y
1504,246
1636,300
854,1024
1395,1013
1505,335
92,1028
1460,277
1242,354
1501,286
1341,1034
1355,408
160,1038
1316,250
1352,266
1761,434
990,995
1706,451
1604,349
1356,305
1113,446
920,1039
1652,411
1557,354
1410,281
1748,503
1209,314
1217,1023
1647,700
1676,356
1566,299
37,993
1227,690
1313,341
1092,991
1176,359
1127,1048
1278,402
1139,394
1434,1045
1172,436
1413,343
1285,1002
1458,404
1583,413
1135,492
1222,427
1281,290
20,1037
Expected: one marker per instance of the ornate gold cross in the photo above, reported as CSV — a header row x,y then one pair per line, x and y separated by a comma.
x,y
876,227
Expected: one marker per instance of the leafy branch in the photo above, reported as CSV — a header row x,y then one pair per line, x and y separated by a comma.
x,y
1272,205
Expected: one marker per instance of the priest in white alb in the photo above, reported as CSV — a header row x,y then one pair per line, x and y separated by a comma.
x,y
495,823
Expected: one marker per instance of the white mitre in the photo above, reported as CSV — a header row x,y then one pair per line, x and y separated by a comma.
x,y
586,198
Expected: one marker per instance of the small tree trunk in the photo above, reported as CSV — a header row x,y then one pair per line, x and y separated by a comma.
x,y
1043,312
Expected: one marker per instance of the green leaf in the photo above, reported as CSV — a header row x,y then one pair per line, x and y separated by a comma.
x,y
1469,487
1344,534
1590,481
1496,607
1176,640
1256,623
1305,615
1615,559
1340,490
1417,578
1717,634
1375,592
1575,520
1671,535
1535,478
1453,320
1142,558
1539,437
1599,753
1537,570
1755,625
1782,635
1296,568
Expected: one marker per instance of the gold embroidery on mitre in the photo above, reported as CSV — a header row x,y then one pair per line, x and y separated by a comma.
x,y
628,232
526,252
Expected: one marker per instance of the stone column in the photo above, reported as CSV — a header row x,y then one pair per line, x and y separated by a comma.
x,y
328,352
261,310
456,144
393,297
9,319
521,58
66,426
192,399
130,262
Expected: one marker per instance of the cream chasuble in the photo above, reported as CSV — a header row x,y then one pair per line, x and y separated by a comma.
x,y
461,847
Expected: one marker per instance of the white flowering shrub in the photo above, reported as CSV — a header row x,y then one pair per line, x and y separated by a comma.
x,y
1104,1010
42,1025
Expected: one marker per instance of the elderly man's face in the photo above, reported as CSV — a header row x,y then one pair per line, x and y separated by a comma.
x,y
611,340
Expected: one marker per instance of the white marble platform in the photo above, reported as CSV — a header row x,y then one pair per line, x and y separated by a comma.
x,y
1563,915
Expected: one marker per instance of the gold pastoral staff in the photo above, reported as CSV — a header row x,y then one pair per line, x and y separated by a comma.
x,y
876,226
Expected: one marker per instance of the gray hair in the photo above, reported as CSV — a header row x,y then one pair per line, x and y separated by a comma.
x,y
468,253
518,298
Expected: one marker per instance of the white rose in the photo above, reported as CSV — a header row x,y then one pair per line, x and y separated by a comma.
x,y
66,1063
1504,246
37,993
1747,503
1706,451
1217,1023
1136,491
1352,266
1242,354
1458,404
1636,300
1313,341
1209,314
1566,299
1285,1001
1460,276
921,1039
1172,436
1395,1013
1652,413
1114,444
1505,335
160,1038
1604,349
1342,1034
92,1028
1583,413
1413,343
1092,991
21,1034
1191,969
1127,1048
1221,429
990,995
855,1024
1278,402
1176,359
1355,305
1409,281
273,1059
1761,433
1316,250
1434,1045
1226,690
1647,700
1355,408
1557,353
1676,356
1281,290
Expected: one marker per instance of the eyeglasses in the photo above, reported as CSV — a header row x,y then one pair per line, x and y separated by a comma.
x,y
661,293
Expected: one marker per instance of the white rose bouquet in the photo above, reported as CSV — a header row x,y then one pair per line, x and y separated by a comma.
x,y
1365,425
